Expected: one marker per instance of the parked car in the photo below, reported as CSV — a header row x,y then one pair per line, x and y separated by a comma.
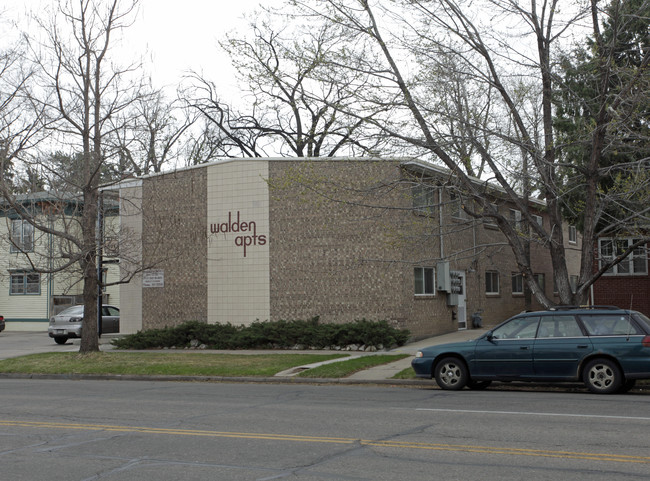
x,y
67,323
605,347
2,323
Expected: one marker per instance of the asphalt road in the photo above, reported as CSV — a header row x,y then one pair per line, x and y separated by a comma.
x,y
126,430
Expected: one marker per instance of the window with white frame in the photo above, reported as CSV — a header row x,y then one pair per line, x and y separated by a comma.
x,y
22,236
25,283
424,198
539,219
517,283
634,264
573,235
424,281
491,282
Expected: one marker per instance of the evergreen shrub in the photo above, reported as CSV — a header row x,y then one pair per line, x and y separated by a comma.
x,y
298,334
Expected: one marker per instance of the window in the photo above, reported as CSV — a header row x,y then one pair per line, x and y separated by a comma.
x,y
456,207
636,263
515,219
424,281
517,283
110,311
424,198
559,326
573,235
539,219
22,236
490,221
491,282
518,328
25,283
541,281
609,325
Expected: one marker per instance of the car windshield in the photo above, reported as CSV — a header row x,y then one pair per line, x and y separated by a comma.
x,y
73,311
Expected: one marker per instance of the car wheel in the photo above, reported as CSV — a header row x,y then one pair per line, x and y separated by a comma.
x,y
478,385
602,376
60,339
451,374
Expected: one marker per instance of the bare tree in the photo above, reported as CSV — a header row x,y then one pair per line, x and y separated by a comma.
x,y
20,122
293,105
503,52
80,91
152,134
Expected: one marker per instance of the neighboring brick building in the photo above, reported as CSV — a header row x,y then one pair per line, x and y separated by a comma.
x,y
626,285
343,239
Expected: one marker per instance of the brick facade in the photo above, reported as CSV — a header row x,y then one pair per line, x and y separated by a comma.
x,y
341,241
175,240
345,240
625,292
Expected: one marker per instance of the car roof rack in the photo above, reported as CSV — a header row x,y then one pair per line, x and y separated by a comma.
x,y
568,308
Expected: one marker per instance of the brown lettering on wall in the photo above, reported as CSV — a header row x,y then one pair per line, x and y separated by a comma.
x,y
238,226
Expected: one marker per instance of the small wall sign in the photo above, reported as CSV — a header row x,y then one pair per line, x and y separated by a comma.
x,y
153,278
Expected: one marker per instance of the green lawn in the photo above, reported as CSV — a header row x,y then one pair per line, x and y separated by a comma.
x,y
407,373
182,363
346,368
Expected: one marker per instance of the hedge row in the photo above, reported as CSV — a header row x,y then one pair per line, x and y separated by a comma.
x,y
268,335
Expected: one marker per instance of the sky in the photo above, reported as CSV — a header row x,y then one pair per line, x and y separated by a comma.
x,y
182,39
172,36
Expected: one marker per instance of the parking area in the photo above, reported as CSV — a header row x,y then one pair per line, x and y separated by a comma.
x,y
17,343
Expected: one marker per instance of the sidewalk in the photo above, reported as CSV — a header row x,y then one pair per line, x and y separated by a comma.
x,y
387,371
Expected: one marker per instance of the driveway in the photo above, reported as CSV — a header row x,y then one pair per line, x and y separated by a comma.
x,y
17,343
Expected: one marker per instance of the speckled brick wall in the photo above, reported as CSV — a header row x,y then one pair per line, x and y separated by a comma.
x,y
175,240
340,246
341,241
345,240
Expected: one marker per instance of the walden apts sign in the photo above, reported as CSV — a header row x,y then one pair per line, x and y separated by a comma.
x,y
244,233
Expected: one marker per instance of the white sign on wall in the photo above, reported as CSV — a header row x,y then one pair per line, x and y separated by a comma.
x,y
153,278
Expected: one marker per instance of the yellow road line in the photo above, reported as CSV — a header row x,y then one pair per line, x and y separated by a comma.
x,y
619,458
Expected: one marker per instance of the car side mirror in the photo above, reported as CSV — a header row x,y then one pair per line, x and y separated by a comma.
x,y
489,336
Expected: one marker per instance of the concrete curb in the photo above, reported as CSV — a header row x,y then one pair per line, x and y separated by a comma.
x,y
225,379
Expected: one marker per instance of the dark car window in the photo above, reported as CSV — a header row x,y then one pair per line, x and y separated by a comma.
x,y
111,311
610,325
642,320
518,328
559,326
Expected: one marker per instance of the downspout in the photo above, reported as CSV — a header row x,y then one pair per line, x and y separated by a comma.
x,y
50,276
442,240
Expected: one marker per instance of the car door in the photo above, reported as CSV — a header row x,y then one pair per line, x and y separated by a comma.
x,y
559,347
620,336
507,352
110,320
